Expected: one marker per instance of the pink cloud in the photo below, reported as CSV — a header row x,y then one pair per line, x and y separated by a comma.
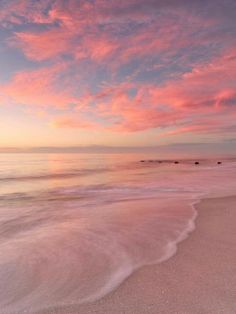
x,y
183,103
109,38
202,89
37,88
42,45
75,28
196,95
95,48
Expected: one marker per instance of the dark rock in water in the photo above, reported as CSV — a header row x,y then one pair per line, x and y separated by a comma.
x,y
196,163
176,162
219,162
151,160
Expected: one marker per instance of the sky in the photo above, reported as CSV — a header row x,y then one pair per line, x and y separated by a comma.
x,y
130,73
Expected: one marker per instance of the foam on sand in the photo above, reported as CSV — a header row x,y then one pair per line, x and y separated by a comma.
x,y
81,259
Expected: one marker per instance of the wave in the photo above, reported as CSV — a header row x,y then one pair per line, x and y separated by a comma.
x,y
61,175
80,256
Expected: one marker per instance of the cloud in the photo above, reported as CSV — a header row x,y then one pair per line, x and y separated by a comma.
x,y
42,45
125,66
199,101
24,11
38,88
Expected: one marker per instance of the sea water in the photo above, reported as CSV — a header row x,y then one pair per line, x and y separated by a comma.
x,y
74,226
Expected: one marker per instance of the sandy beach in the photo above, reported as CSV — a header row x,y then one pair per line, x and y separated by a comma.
x,y
200,278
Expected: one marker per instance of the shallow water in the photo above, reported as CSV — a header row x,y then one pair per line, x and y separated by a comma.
x,y
74,226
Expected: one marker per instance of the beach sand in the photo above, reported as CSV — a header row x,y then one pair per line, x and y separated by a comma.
x,y
199,279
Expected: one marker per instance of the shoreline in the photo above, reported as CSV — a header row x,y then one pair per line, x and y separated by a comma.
x,y
200,278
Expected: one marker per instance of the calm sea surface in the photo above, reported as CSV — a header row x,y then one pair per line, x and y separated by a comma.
x,y
74,226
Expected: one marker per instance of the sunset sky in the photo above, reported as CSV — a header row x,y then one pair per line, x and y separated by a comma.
x,y
117,72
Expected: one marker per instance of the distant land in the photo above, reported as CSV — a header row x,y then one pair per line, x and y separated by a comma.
x,y
225,149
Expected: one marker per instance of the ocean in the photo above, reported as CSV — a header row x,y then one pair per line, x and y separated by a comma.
x,y
73,227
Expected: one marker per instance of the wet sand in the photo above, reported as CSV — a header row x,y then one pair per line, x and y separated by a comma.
x,y
199,279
